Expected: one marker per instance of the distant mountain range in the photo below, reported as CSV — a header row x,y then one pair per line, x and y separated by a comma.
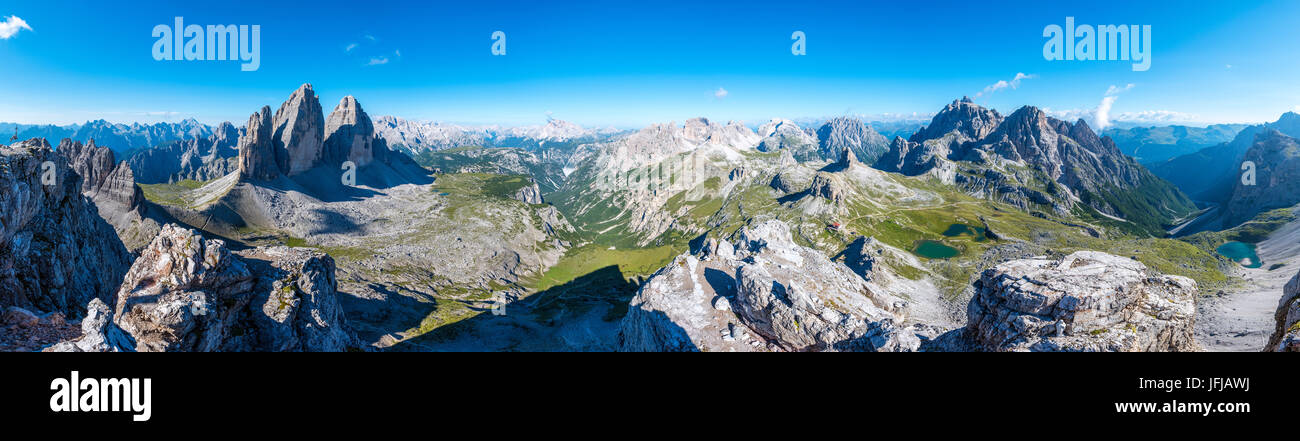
x,y
419,136
1151,145
117,137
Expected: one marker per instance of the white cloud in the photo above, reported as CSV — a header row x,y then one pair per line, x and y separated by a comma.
x,y
377,61
1145,117
720,93
397,52
1014,83
1113,90
1227,66
371,37
350,47
11,26
1102,119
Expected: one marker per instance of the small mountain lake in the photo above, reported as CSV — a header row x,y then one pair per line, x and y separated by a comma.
x,y
933,249
1242,253
977,233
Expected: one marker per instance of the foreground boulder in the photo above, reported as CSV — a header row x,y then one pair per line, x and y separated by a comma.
x,y
185,293
1086,301
765,293
1286,338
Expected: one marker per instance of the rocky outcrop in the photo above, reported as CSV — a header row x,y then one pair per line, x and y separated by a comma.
x,y
111,185
1086,301
765,293
782,183
529,194
842,133
297,139
186,293
53,256
299,126
1286,338
349,135
1277,178
914,159
258,157
828,186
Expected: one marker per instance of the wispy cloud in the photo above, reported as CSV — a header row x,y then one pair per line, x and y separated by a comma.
x,y
1145,117
374,61
1014,83
11,26
349,47
1115,90
720,93
1102,117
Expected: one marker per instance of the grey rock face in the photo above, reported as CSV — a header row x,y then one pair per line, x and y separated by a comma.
x,y
112,188
175,296
765,293
913,158
967,119
349,134
1277,177
1286,338
529,194
829,186
298,302
258,158
185,293
843,133
1087,301
53,256
299,126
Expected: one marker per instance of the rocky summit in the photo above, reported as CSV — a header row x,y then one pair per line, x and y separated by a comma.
x,y
187,293
762,292
1086,301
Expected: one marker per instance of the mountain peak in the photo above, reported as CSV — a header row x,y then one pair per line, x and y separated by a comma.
x,y
969,120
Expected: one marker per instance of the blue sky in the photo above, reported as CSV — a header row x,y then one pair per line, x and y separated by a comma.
x,y
628,64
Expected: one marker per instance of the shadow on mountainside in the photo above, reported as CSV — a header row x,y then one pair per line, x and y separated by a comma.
x,y
581,315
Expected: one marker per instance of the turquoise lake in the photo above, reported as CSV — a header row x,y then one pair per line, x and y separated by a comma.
x,y
933,249
978,233
1241,252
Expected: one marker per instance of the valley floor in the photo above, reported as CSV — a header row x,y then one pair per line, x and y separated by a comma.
x,y
1240,318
